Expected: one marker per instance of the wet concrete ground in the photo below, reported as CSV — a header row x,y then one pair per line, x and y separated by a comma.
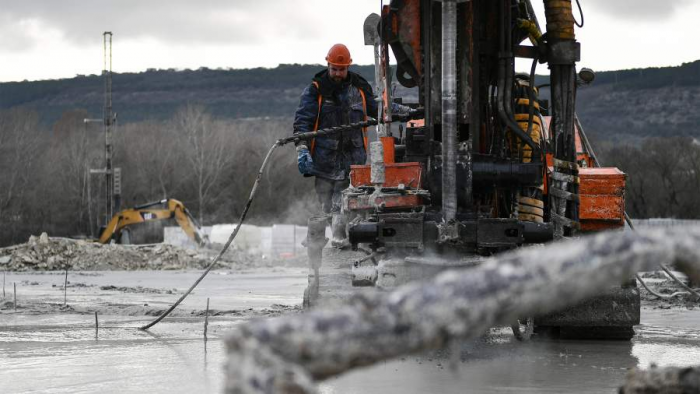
x,y
497,364
50,349
63,356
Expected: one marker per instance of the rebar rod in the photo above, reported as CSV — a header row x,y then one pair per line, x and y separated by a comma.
x,y
206,320
65,288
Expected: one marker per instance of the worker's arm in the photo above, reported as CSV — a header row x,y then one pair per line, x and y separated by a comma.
x,y
307,112
373,105
304,121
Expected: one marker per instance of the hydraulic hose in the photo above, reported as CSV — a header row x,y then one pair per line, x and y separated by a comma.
x,y
532,15
560,19
504,88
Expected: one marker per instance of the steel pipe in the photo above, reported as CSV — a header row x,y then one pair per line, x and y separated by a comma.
x,y
449,109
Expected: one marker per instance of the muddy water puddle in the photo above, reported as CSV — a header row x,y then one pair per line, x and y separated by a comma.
x,y
227,289
62,354
57,351
50,348
497,363
504,365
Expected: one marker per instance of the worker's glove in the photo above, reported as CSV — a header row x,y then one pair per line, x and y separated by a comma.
x,y
405,113
304,160
416,113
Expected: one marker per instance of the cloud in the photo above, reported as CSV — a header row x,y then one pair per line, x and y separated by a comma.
x,y
16,36
178,22
636,9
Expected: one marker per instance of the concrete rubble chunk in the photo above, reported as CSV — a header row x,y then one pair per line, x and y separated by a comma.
x,y
47,253
655,380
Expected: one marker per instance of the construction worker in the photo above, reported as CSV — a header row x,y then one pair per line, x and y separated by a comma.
x,y
336,96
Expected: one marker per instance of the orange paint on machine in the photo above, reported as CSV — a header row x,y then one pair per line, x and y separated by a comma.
x,y
602,198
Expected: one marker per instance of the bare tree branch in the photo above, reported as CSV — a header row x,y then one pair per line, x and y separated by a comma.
x,y
208,152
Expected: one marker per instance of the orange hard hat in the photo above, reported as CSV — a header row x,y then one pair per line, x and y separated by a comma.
x,y
339,55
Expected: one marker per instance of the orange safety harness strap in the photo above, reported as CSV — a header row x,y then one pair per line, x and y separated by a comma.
x,y
364,110
318,117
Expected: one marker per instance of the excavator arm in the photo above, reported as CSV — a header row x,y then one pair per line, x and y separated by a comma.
x,y
187,222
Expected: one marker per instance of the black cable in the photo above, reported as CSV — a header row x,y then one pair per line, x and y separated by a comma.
x,y
580,11
504,88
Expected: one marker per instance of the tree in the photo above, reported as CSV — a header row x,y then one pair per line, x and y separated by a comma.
x,y
150,154
19,147
75,149
208,152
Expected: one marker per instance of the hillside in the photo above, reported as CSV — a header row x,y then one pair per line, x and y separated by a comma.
x,y
652,102
619,105
157,94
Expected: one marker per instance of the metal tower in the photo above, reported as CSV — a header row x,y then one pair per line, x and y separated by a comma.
x,y
112,175
109,118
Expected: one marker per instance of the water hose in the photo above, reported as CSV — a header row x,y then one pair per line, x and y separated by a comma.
x,y
226,246
293,138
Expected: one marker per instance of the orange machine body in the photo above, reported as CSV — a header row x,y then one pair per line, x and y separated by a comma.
x,y
601,189
404,176
602,198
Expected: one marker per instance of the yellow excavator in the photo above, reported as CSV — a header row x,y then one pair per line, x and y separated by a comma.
x,y
117,229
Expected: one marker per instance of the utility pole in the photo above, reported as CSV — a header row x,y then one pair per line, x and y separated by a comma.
x,y
109,118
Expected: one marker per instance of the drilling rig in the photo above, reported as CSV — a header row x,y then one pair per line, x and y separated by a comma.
x,y
491,167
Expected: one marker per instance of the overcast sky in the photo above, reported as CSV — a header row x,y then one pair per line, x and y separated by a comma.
x,y
48,39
